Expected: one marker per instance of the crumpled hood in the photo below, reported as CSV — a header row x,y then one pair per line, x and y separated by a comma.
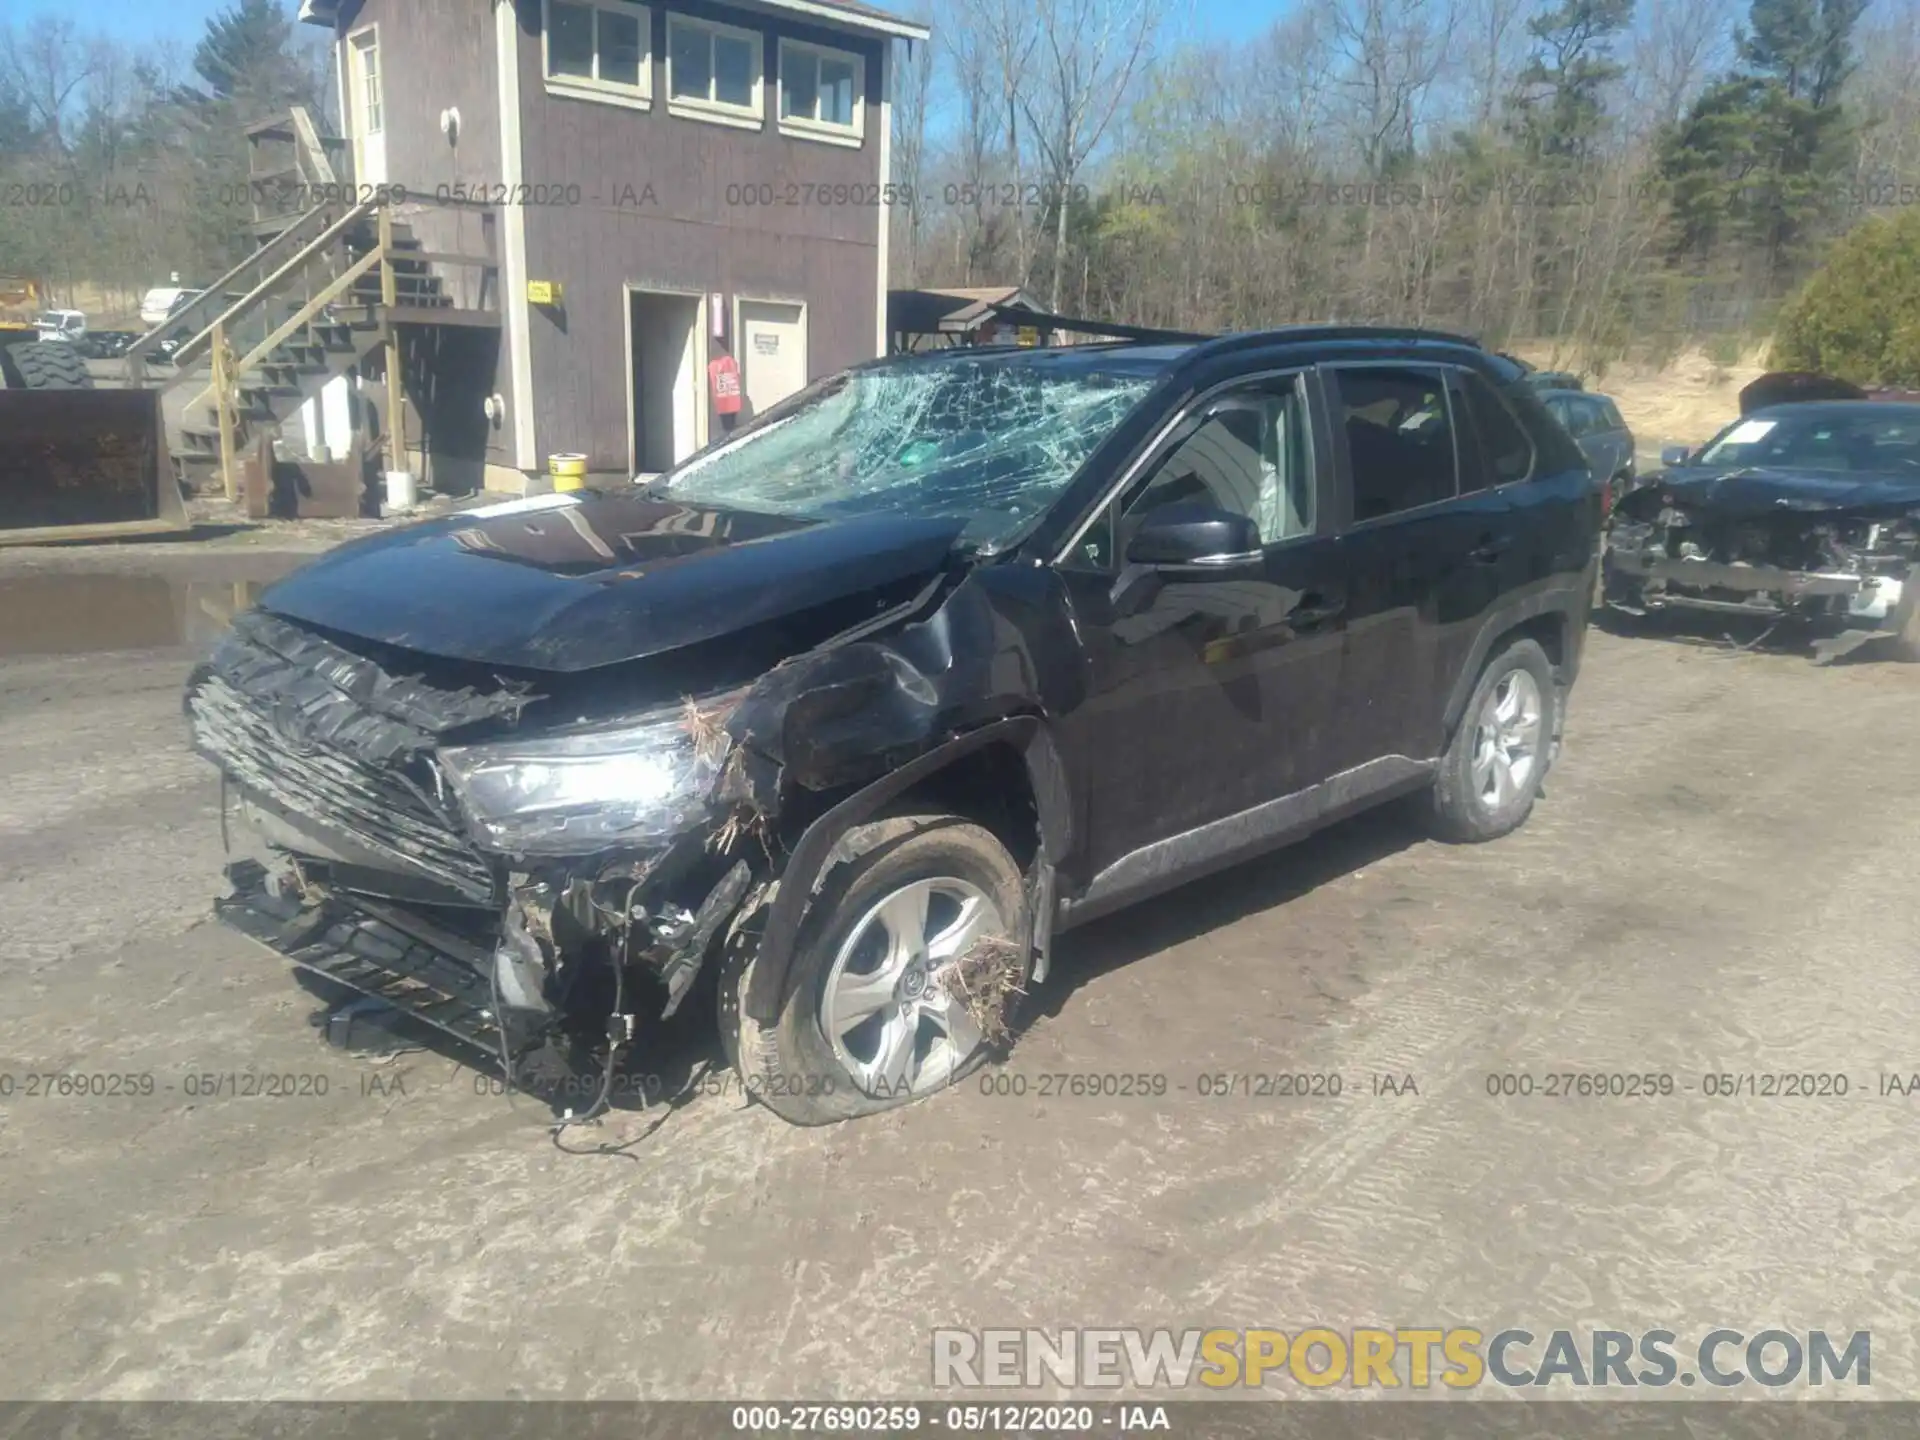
x,y
1757,493
570,582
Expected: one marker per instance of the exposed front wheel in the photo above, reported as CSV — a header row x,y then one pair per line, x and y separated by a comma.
x,y
1492,770
908,963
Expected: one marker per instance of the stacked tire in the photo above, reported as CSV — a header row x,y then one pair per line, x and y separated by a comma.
x,y
44,365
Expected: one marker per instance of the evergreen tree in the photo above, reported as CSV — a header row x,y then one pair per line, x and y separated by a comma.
x,y
249,56
18,133
253,63
1707,160
1751,164
1560,106
1858,317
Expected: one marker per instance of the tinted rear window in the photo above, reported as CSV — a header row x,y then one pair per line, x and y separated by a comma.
x,y
1504,442
1400,444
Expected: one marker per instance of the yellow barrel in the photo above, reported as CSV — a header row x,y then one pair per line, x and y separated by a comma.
x,y
569,471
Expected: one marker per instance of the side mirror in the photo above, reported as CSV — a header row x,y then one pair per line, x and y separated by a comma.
x,y
1675,455
1194,536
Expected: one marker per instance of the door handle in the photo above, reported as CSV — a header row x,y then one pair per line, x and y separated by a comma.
x,y
1490,549
1314,609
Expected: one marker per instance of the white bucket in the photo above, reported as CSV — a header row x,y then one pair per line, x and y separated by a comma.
x,y
400,492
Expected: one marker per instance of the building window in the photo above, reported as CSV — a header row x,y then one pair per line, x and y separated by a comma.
x,y
599,51
713,71
822,92
372,108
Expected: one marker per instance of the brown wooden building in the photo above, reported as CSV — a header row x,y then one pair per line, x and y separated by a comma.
x,y
657,180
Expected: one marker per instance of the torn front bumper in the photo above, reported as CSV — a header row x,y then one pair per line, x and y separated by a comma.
x,y
383,951
493,995
1659,581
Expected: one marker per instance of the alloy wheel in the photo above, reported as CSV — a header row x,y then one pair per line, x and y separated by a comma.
x,y
888,1009
1506,741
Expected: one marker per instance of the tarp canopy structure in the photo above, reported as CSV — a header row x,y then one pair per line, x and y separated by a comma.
x,y
931,319
997,315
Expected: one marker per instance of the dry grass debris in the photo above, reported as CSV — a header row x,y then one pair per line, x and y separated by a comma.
x,y
985,980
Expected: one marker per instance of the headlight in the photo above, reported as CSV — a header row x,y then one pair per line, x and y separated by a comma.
x,y
570,794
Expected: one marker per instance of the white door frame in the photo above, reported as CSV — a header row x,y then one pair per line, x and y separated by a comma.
x,y
630,288
734,336
363,140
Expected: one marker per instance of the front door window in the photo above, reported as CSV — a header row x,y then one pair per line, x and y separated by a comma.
x,y
1249,456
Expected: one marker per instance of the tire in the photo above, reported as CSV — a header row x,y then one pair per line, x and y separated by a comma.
x,y
795,1067
1466,810
45,365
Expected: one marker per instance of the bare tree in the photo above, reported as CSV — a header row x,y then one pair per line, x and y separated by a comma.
x,y
1677,46
1012,36
1393,52
47,63
1493,50
1086,54
1289,76
981,42
1888,106
912,92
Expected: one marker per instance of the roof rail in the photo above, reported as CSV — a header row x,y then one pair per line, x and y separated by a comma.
x,y
1041,320
1346,331
1020,315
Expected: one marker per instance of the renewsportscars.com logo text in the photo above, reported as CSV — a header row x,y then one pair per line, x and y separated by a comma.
x,y
1413,1358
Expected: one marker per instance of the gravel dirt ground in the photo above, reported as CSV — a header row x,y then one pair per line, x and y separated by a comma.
x,y
1720,880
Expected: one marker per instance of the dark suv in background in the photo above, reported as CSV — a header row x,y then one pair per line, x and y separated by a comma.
x,y
851,713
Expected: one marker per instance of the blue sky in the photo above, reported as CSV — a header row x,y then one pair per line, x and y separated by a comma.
x,y
183,20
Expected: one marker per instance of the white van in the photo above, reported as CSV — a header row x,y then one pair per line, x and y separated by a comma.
x,y
163,301
63,325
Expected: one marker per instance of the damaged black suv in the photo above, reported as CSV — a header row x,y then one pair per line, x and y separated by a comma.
x,y
1804,510
849,714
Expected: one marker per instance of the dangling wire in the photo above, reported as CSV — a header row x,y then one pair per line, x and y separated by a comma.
x,y
615,1045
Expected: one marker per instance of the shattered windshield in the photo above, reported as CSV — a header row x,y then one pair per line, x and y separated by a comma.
x,y
991,441
1872,439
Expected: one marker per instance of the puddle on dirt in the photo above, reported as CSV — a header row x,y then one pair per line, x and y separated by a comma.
x,y
71,614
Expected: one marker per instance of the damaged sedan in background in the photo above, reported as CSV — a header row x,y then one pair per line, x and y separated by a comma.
x,y
1807,510
836,723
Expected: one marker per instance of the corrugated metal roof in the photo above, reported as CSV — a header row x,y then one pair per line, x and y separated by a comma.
x,y
928,312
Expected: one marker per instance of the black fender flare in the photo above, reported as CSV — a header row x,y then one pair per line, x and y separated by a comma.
x,y
1564,602
773,962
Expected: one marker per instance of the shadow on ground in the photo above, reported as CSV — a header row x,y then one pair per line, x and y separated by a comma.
x,y
1739,634
1219,900
672,1062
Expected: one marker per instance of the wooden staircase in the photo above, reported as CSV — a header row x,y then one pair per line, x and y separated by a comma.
x,y
331,290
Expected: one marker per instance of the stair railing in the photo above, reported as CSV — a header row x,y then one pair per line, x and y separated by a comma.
x,y
227,336
227,371
268,287
208,306
312,155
